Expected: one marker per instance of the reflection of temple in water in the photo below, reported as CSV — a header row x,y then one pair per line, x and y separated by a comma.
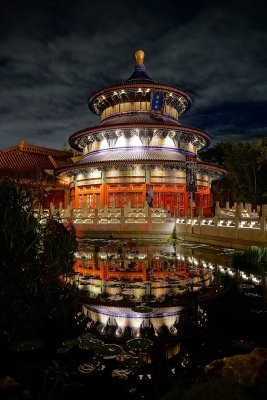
x,y
138,289
136,265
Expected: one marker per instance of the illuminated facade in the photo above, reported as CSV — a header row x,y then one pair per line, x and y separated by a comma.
x,y
140,152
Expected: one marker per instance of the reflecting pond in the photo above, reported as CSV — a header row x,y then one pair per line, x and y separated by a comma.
x,y
155,273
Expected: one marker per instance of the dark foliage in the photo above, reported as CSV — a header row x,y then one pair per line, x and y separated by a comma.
x,y
246,165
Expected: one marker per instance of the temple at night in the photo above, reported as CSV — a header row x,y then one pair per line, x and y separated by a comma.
x,y
138,173
134,189
140,153
121,273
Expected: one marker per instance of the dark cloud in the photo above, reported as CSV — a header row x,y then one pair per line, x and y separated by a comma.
x,y
55,53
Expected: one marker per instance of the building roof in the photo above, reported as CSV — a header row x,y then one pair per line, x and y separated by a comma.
x,y
26,147
104,97
140,75
75,137
132,154
140,72
29,161
135,155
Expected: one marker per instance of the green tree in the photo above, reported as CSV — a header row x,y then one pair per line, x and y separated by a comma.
x,y
59,246
20,231
28,249
19,251
246,165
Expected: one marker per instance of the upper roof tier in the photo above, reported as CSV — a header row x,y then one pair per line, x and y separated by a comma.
x,y
135,95
140,72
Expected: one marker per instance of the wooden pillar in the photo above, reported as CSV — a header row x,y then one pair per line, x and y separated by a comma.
x,y
103,191
76,197
103,195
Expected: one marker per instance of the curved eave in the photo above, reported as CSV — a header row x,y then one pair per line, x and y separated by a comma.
x,y
109,163
100,128
108,89
220,172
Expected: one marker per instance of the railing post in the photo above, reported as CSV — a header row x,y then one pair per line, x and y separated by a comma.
x,y
122,219
263,217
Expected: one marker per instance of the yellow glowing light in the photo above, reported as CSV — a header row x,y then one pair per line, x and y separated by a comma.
x,y
139,56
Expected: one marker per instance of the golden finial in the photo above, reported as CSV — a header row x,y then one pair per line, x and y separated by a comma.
x,y
23,144
139,56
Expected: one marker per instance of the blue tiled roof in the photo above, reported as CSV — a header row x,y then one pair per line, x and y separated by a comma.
x,y
140,75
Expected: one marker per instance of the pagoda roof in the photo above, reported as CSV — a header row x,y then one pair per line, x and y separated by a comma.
x,y
129,84
140,72
127,155
137,155
140,75
133,154
138,78
27,161
136,125
26,147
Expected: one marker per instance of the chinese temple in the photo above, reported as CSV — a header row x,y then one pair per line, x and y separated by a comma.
x,y
140,153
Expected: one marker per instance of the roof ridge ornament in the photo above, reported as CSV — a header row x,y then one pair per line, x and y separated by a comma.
x,y
139,56
23,144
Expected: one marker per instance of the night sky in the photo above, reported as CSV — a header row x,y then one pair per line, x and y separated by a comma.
x,y
54,54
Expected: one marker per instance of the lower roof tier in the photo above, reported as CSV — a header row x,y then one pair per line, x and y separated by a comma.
x,y
147,159
129,154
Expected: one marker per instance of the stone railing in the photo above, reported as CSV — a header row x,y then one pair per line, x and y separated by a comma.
x,y
237,223
117,219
